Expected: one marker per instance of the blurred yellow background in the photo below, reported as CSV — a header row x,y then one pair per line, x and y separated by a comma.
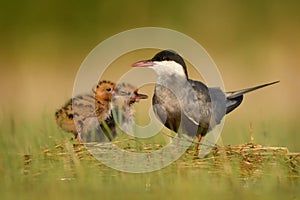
x,y
43,44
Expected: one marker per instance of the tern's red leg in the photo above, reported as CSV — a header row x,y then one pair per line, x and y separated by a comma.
x,y
198,143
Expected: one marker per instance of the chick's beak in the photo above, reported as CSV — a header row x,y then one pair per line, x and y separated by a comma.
x,y
113,93
136,97
143,63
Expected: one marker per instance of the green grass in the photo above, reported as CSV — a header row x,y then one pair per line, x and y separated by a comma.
x,y
39,161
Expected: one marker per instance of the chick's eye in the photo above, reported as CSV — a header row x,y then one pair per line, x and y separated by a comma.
x,y
108,89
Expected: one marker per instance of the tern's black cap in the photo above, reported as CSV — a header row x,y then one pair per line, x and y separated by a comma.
x,y
171,56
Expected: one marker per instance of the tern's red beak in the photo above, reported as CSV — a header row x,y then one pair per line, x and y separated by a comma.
x,y
143,63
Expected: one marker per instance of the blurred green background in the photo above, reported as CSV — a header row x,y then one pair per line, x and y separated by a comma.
x,y
43,43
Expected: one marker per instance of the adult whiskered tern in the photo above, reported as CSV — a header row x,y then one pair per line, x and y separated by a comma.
x,y
180,102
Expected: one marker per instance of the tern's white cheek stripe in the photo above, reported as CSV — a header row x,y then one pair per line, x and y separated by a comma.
x,y
168,68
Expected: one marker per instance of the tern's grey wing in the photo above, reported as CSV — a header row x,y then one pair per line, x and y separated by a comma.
x,y
218,104
212,103
203,99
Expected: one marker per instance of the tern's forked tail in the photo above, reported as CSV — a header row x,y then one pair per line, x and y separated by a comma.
x,y
235,98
